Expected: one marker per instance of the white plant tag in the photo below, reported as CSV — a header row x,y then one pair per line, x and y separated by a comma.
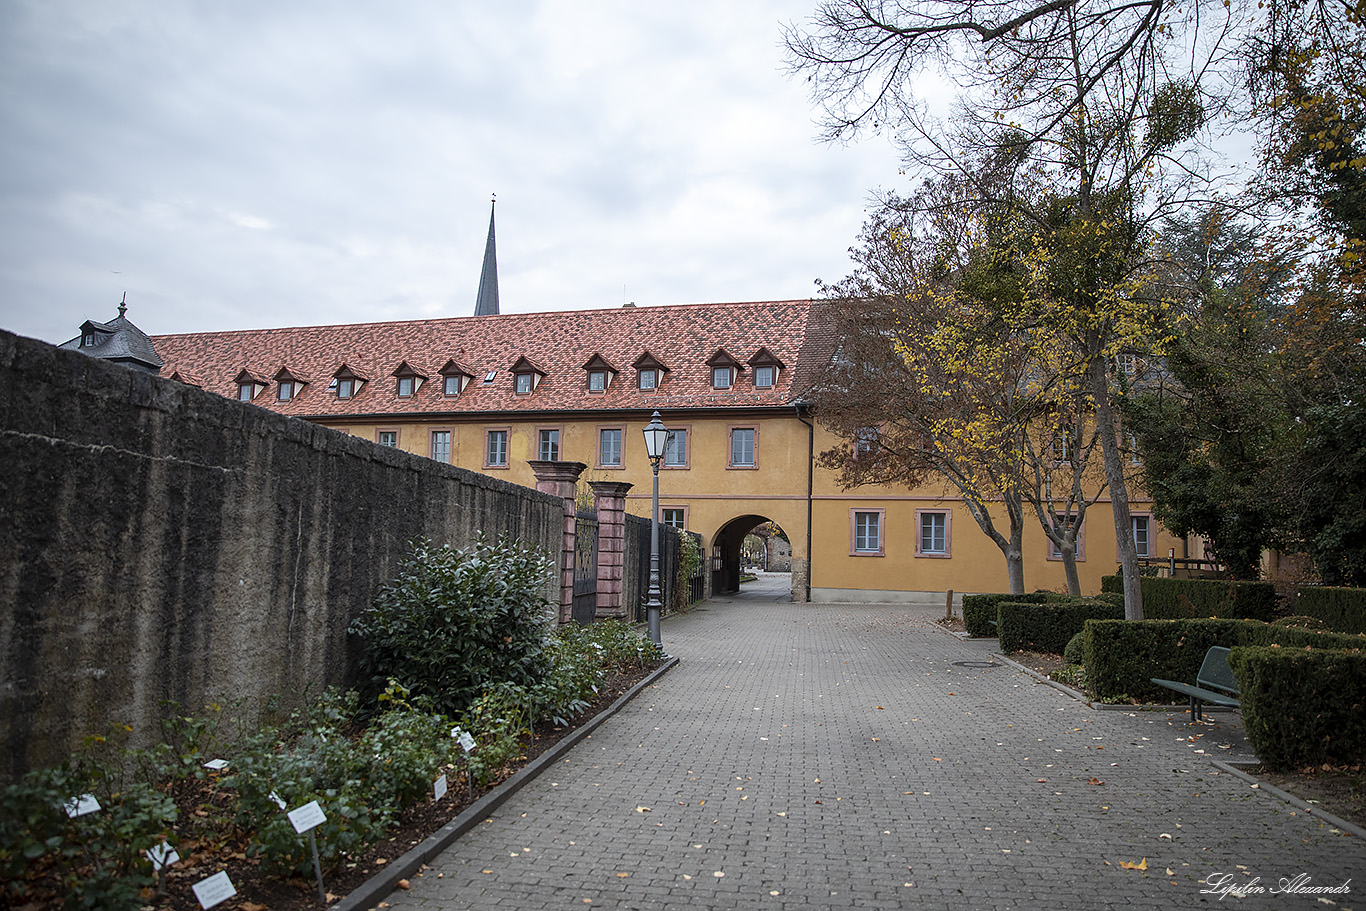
x,y
217,765
307,816
439,789
79,806
162,855
217,888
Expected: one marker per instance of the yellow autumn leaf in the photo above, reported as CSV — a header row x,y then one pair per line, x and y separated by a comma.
x,y
1130,865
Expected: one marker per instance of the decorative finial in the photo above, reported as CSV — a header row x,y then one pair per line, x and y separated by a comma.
x,y
123,304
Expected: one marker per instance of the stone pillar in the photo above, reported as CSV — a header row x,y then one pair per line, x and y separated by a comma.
x,y
558,479
609,498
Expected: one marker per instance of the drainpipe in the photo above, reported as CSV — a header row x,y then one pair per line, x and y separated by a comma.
x,y
810,487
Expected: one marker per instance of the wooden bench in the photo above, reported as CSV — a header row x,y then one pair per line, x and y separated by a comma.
x,y
1214,684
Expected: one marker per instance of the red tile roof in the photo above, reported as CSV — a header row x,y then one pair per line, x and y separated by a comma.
x,y
682,337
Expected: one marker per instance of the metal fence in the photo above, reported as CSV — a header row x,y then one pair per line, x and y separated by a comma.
x,y
636,581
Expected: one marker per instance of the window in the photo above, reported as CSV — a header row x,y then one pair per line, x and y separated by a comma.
x,y
1061,451
763,377
649,379
489,377
1054,553
525,383
1142,526
676,449
609,447
720,377
284,391
597,381
1126,364
496,449
246,392
346,388
866,526
549,448
932,532
674,516
1133,449
387,438
451,386
742,447
441,445
405,386
865,442
88,340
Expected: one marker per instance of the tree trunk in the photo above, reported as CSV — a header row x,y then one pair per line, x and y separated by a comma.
x,y
1069,567
1114,477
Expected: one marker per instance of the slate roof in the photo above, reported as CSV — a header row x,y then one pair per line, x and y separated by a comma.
x,y
682,337
117,340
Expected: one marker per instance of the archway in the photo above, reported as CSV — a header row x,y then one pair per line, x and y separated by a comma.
x,y
727,550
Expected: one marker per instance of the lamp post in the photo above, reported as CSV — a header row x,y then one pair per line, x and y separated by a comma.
x,y
656,434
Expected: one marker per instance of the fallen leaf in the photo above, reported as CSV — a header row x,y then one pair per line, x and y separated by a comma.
x,y
485,871
1166,836
1130,865
718,874
622,875
1040,780
1169,872
642,809
404,884
1096,781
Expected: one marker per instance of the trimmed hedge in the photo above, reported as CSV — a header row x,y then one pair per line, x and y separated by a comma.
x,y
1121,655
1175,599
1342,609
980,610
1302,707
1048,627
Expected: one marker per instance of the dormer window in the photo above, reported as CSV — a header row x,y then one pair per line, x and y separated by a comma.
x,y
287,385
284,391
649,372
721,377
455,377
409,380
346,388
346,382
249,386
600,373
766,369
527,376
724,369
88,340
246,392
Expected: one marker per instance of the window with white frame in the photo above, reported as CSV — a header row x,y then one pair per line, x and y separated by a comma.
x,y
609,447
721,377
451,384
346,388
674,516
865,442
525,383
1142,526
649,378
742,453
246,392
441,445
597,381
548,449
406,386
676,449
387,438
867,531
764,376
496,449
284,390
932,532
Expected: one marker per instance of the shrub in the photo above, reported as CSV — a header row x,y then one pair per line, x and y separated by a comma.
x,y
1342,609
1075,652
1174,599
1303,707
980,610
455,622
1048,627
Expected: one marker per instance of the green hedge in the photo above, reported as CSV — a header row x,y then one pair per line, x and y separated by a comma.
x,y
1342,609
1303,707
1174,599
1047,627
1121,655
980,610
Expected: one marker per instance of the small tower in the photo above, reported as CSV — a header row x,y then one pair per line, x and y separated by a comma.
x,y
487,302
117,340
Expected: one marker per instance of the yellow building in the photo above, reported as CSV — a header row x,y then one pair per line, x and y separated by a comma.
x,y
491,393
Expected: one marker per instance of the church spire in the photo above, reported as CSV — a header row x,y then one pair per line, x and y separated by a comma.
x,y
487,302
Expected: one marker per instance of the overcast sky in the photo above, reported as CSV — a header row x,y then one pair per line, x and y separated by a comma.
x,y
259,164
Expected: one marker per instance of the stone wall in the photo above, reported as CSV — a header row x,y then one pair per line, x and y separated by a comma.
x,y
158,542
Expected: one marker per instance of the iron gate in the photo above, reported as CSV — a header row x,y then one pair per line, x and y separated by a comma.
x,y
585,567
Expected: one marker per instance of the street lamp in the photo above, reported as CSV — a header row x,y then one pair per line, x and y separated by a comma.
x,y
656,434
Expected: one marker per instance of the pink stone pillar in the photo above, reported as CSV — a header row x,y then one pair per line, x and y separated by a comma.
x,y
559,479
609,498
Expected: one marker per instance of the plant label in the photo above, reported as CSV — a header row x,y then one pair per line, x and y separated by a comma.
x,y
466,741
161,856
279,801
217,888
79,806
217,765
307,816
439,789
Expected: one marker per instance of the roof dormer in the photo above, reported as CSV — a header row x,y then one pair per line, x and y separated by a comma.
x,y
287,384
601,373
527,375
649,371
455,376
346,382
249,385
724,369
766,368
409,380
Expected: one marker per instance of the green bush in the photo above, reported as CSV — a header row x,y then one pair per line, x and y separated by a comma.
x,y
1175,599
1303,707
1121,655
1048,627
1342,609
455,622
980,610
1075,650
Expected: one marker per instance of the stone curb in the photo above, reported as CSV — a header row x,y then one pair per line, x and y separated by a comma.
x,y
1291,799
377,887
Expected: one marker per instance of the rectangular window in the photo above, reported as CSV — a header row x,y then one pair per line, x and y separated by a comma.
x,y
1054,553
865,443
345,388
524,382
496,449
742,447
451,386
285,391
387,438
405,386
932,533
866,532
597,381
674,516
763,377
549,448
441,445
1142,526
720,377
245,392
676,449
609,447
647,379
